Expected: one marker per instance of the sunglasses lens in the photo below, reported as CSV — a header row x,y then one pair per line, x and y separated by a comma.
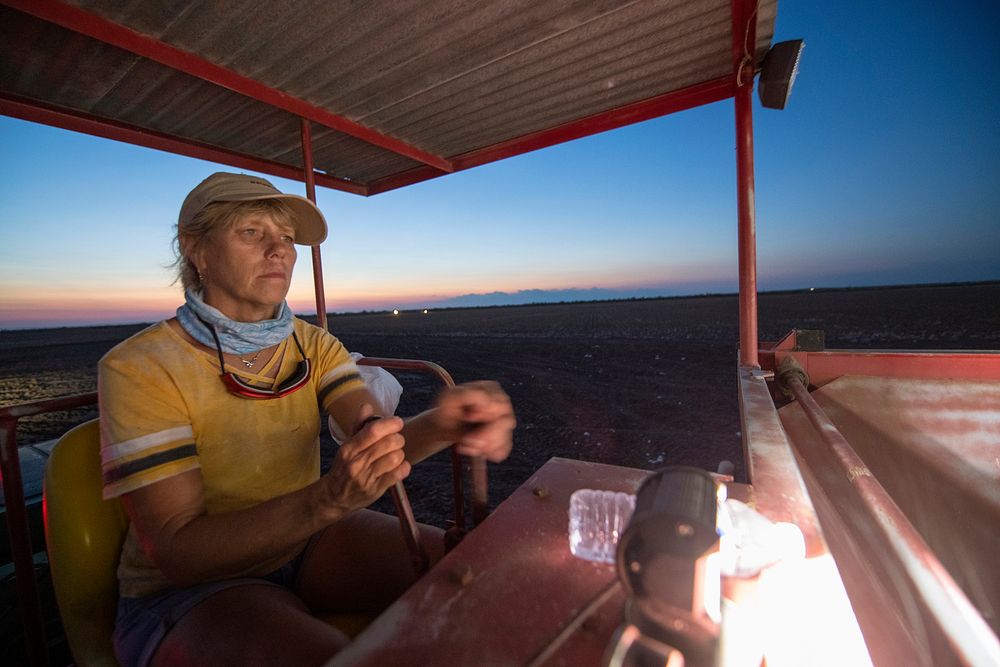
x,y
296,381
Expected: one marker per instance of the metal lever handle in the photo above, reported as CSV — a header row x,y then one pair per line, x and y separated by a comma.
x,y
411,534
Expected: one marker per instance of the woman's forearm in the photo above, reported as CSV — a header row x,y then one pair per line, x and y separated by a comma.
x,y
424,437
190,545
191,548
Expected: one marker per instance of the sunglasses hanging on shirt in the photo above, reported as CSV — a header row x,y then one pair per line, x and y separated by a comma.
x,y
239,387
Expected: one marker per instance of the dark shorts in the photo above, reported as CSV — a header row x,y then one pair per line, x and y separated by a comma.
x,y
142,623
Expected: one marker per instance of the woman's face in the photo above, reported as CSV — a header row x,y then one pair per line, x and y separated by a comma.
x,y
247,267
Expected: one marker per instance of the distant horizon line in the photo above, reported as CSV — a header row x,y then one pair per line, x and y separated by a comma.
x,y
697,295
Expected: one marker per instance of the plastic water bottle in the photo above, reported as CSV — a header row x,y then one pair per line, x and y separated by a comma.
x,y
596,520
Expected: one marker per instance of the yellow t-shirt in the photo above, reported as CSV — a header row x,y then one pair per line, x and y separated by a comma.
x,y
164,410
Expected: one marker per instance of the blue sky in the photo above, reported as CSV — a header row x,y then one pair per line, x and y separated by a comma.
x,y
884,169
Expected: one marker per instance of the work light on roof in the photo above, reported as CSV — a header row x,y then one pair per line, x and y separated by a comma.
x,y
778,72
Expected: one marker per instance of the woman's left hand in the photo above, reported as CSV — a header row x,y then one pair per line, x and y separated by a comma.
x,y
478,418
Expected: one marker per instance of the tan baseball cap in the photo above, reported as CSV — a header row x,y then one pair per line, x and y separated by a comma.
x,y
310,225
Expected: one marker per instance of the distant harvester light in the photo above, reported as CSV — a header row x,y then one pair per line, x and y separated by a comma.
x,y
395,311
778,72
425,311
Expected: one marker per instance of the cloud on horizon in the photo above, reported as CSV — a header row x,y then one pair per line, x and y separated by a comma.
x,y
525,296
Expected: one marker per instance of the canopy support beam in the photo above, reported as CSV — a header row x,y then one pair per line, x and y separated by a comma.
x,y
109,32
33,111
744,47
654,107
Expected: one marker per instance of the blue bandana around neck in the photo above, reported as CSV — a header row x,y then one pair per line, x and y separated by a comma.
x,y
236,337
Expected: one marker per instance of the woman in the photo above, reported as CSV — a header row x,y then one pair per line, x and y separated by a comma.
x,y
234,537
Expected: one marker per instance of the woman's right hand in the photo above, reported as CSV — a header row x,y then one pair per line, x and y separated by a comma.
x,y
367,464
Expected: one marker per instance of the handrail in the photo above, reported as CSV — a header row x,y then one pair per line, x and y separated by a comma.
x,y
17,515
963,628
12,413
480,493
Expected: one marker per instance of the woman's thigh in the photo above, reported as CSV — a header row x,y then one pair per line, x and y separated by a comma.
x,y
361,563
249,625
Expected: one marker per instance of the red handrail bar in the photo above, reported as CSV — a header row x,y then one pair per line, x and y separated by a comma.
x,y
958,621
480,492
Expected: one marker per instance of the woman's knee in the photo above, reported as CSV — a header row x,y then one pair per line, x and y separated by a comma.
x,y
250,625
362,563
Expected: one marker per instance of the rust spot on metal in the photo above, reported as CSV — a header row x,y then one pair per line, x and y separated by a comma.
x,y
591,625
462,575
858,471
540,492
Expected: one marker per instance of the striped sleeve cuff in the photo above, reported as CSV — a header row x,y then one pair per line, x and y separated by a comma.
x,y
133,464
339,381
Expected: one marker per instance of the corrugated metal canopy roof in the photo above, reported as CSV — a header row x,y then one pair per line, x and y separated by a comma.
x,y
396,92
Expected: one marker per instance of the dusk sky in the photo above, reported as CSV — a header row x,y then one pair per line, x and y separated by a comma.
x,y
884,169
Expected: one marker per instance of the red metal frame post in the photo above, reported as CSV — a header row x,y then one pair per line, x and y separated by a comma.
x,y
17,516
744,45
747,227
20,546
317,259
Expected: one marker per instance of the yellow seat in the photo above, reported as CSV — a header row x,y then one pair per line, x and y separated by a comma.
x,y
84,534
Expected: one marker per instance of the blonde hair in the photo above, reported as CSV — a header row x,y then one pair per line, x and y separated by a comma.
x,y
215,217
